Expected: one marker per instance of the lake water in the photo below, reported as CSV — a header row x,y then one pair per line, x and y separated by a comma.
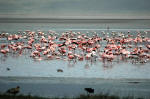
x,y
45,25
24,66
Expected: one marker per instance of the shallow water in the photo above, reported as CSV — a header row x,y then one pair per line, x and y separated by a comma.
x,y
24,66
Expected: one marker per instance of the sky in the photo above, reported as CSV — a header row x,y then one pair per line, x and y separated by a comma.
x,y
93,9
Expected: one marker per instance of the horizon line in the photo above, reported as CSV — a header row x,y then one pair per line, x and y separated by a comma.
x,y
83,18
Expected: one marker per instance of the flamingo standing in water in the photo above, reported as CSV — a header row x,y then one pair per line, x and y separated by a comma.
x,y
50,46
4,51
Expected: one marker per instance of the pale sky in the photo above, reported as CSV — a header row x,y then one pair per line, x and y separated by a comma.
x,y
108,9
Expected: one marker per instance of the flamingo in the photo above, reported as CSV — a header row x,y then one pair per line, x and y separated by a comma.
x,y
4,51
52,45
2,46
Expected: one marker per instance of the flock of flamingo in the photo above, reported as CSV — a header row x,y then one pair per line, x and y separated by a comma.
x,y
77,46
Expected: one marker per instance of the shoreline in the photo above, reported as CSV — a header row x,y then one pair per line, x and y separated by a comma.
x,y
71,79
73,87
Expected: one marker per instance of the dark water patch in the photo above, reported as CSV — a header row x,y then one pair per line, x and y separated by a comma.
x,y
134,82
